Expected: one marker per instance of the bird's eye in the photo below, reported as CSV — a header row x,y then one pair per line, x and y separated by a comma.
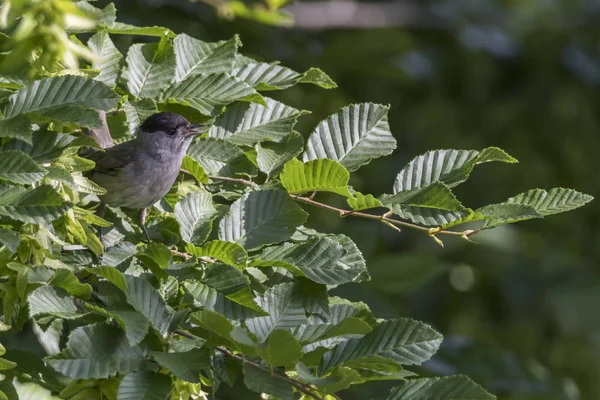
x,y
172,132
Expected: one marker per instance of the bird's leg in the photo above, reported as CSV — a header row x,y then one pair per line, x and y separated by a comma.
x,y
143,223
100,213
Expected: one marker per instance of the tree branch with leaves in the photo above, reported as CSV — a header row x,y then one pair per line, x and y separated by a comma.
x,y
234,286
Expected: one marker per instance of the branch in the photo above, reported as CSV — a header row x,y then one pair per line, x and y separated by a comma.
x,y
385,218
301,387
234,180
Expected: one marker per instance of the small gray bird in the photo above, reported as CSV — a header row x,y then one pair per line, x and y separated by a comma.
x,y
138,173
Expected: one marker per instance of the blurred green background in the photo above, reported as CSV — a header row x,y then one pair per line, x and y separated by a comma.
x,y
520,311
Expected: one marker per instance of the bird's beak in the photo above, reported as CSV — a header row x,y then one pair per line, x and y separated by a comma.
x,y
193,130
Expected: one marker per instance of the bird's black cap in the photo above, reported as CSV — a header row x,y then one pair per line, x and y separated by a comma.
x,y
163,121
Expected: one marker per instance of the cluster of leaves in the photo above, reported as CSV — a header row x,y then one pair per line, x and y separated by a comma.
x,y
233,285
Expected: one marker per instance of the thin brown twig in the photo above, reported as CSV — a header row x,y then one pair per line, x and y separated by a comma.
x,y
234,180
302,387
385,218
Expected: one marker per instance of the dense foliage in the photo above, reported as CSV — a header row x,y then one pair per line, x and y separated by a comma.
x,y
233,283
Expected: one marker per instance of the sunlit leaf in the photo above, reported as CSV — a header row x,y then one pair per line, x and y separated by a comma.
x,y
353,136
320,175
196,57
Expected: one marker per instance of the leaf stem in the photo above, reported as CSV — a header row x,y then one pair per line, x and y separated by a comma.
x,y
301,387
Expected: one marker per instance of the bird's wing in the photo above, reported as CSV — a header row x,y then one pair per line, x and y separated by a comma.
x,y
111,161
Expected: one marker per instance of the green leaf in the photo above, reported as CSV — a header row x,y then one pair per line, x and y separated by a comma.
x,y
185,365
262,382
144,385
38,205
137,111
226,290
17,127
402,340
18,167
209,93
318,259
270,156
132,322
550,202
319,78
353,136
250,123
10,239
147,300
451,167
193,167
150,68
49,300
213,322
97,351
156,256
312,336
284,308
108,58
320,175
434,204
214,155
120,28
457,387
67,280
195,213
196,57
48,93
264,76
141,295
260,218
32,391
359,201
227,252
499,214
280,348
82,116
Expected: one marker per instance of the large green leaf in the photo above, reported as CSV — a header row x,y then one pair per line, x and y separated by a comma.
x,y
70,114
319,259
322,175
352,136
150,68
38,205
97,351
227,252
451,167
250,123
503,213
226,290
49,300
260,218
18,167
402,340
271,156
262,382
67,280
141,295
550,202
457,387
214,155
108,58
48,93
185,365
195,213
196,57
284,308
134,323
17,127
144,385
265,76
434,204
280,348
208,93
121,28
